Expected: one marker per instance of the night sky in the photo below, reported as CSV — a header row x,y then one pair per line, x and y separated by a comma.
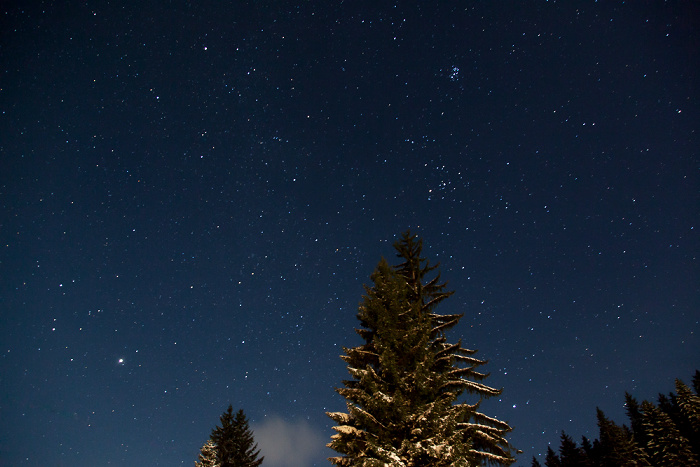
x,y
193,194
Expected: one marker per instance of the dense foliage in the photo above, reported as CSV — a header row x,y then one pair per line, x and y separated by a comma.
x,y
231,444
663,434
402,400
208,456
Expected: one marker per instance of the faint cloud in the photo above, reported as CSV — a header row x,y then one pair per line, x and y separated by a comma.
x,y
288,444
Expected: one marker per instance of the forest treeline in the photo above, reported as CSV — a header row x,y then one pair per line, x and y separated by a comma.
x,y
404,394
406,404
663,434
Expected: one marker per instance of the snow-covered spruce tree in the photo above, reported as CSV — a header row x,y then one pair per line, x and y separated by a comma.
x,y
666,445
617,446
207,455
402,400
689,408
234,442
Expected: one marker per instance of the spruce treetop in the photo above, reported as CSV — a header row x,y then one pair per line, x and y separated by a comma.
x,y
406,378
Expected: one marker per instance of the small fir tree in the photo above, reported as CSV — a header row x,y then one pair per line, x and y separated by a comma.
x,y
406,378
208,455
589,450
551,459
234,441
570,454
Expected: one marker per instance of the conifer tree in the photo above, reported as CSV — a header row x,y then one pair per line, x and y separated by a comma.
x,y
666,445
589,451
570,454
669,405
634,413
406,379
617,445
689,405
207,455
234,441
551,459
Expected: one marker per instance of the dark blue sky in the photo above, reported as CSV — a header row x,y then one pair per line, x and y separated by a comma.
x,y
193,193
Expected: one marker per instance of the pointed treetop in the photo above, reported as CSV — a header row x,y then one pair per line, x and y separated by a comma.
x,y
402,407
414,268
234,441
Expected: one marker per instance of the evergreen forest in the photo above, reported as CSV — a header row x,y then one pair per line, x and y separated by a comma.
x,y
663,434
413,396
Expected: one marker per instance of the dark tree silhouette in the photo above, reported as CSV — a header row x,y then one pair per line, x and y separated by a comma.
x,y
234,442
660,435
